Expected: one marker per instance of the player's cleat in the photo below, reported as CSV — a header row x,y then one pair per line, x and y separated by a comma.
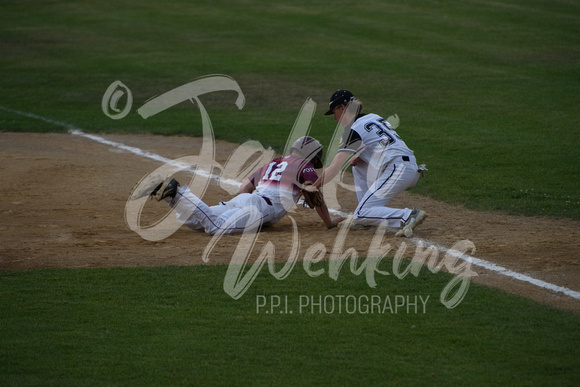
x,y
146,186
167,189
415,219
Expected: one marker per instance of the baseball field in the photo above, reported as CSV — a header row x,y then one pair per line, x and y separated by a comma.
x,y
486,292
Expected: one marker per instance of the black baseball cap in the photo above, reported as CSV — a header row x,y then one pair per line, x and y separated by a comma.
x,y
340,97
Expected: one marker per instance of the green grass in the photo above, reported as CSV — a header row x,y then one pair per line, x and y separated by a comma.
x,y
175,325
486,92
487,95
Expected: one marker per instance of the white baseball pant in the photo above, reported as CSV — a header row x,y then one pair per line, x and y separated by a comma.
x,y
373,196
244,212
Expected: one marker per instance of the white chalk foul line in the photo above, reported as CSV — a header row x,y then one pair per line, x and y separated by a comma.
x,y
502,270
153,156
139,152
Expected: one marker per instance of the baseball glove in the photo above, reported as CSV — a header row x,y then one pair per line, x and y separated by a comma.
x,y
313,199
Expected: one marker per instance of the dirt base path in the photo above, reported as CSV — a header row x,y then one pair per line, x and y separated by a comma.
x,y
64,196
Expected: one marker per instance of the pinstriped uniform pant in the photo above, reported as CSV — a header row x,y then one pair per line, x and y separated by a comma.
x,y
373,196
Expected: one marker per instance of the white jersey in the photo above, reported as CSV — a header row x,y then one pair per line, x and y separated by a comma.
x,y
388,167
374,140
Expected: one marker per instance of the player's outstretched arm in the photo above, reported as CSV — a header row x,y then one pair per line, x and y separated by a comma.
x,y
325,216
333,169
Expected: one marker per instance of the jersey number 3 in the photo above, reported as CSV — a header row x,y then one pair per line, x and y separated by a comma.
x,y
384,130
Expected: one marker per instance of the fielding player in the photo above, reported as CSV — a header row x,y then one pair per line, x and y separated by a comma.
x,y
263,199
383,165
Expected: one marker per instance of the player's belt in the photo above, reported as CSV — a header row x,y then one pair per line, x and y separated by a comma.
x,y
404,158
266,199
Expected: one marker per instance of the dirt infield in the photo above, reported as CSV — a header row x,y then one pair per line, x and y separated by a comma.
x,y
63,202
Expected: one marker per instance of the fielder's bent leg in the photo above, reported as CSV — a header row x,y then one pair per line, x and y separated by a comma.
x,y
372,210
